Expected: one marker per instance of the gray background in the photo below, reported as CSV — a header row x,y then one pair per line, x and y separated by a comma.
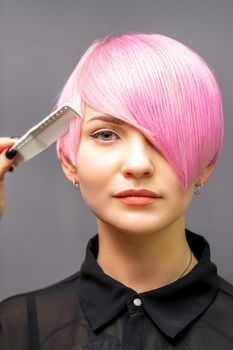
x,y
46,225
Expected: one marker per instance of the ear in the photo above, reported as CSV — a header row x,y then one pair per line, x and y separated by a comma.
x,y
68,168
205,175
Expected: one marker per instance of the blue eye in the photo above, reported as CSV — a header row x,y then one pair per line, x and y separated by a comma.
x,y
105,134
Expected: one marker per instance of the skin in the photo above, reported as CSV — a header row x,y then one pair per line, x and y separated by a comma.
x,y
5,164
143,247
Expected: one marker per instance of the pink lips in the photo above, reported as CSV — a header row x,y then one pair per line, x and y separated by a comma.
x,y
137,193
137,197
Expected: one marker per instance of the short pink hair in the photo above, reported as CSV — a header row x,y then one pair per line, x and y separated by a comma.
x,y
160,86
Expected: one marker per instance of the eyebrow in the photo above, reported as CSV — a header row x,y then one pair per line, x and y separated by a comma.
x,y
108,119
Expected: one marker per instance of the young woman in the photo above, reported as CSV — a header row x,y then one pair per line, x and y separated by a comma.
x,y
148,137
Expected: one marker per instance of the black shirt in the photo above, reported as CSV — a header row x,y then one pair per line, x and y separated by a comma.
x,y
92,311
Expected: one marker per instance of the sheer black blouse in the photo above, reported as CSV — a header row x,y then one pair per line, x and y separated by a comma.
x,y
92,311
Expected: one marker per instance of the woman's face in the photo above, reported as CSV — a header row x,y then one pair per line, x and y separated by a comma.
x,y
117,157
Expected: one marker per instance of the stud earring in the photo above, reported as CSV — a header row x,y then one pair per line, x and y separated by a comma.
x,y
76,184
198,188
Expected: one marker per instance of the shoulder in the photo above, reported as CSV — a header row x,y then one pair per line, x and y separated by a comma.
x,y
17,312
225,287
219,315
224,298
215,324
47,290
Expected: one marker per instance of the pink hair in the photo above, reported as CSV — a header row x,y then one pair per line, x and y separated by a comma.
x,y
160,86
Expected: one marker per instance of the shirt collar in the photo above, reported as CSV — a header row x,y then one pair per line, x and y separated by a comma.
x,y
171,307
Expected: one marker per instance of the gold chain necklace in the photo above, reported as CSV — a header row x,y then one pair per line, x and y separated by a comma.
x,y
186,267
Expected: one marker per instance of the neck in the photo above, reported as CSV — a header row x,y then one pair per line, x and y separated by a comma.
x,y
145,261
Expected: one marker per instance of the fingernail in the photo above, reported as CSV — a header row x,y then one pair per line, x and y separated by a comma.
x,y
11,169
10,153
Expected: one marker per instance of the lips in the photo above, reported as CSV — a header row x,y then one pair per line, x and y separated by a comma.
x,y
137,193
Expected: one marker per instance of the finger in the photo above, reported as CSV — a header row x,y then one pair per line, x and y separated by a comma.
x,y
5,164
6,142
10,153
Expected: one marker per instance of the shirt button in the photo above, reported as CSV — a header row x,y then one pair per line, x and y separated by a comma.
x,y
137,302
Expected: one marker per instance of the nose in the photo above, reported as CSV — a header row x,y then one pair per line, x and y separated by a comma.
x,y
137,161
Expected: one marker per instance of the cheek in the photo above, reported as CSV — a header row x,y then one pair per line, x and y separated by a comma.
x,y
176,198
179,200
94,170
92,160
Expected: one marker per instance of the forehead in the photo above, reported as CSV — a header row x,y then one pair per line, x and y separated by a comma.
x,y
93,114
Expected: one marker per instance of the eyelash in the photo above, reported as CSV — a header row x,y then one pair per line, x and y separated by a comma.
x,y
101,132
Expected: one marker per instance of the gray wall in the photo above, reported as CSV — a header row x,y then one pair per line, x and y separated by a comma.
x,y
46,225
